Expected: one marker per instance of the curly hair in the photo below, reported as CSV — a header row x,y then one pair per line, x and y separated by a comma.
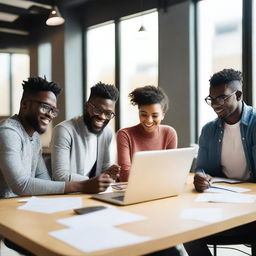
x,y
105,91
37,84
149,94
226,76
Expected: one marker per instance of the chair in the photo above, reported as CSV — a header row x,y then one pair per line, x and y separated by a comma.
x,y
215,241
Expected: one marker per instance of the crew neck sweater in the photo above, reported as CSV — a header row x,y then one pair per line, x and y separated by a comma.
x,y
135,138
22,169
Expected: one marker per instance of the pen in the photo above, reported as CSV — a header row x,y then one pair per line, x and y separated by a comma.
x,y
223,189
209,184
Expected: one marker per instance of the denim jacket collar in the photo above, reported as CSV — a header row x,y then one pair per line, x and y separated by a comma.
x,y
244,119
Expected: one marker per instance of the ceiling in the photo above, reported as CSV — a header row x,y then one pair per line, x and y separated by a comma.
x,y
18,16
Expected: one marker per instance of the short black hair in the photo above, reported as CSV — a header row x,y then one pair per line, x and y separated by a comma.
x,y
226,76
106,91
37,84
149,94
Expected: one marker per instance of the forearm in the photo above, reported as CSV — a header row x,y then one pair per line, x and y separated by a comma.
x,y
124,175
73,187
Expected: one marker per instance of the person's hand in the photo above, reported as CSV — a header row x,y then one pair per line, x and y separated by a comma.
x,y
113,171
202,181
96,184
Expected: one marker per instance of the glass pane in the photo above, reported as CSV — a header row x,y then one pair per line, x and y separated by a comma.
x,y
20,72
254,51
219,46
139,61
45,69
101,57
45,61
4,84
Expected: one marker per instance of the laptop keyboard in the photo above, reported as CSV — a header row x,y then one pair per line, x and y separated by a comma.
x,y
119,198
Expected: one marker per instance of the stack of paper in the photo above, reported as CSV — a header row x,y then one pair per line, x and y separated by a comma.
x,y
93,238
226,198
96,230
51,205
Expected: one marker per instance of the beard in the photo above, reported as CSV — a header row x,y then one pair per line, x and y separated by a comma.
x,y
88,120
33,121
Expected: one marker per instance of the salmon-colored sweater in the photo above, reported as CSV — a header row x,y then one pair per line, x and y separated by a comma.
x,y
135,138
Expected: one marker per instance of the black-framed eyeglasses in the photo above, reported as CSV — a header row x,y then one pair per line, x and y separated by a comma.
x,y
98,111
220,100
46,108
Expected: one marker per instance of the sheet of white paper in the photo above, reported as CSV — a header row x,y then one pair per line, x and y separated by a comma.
x,y
202,214
226,189
225,180
51,205
226,198
95,238
107,217
108,190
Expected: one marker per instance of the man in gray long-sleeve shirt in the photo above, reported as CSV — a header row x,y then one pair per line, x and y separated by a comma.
x,y
22,169
81,146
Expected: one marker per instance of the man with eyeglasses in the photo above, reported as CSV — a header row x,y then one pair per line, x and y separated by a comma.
x,y
22,168
226,148
81,147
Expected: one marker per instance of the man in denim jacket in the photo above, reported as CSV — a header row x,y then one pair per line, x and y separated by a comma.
x,y
227,146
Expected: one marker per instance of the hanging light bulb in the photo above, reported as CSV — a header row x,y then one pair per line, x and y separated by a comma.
x,y
142,29
55,17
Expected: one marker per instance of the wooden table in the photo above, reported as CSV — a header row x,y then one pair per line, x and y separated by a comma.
x,y
164,225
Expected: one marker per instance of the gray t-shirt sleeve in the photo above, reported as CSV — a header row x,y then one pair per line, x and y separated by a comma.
x,y
61,146
22,166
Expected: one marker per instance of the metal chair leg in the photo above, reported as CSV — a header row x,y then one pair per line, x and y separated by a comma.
x,y
253,249
215,250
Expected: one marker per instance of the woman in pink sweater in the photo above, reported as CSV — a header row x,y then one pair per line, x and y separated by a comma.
x,y
148,134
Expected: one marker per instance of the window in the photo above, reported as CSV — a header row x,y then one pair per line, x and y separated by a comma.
x,y
45,61
101,57
45,69
5,84
139,61
14,68
219,46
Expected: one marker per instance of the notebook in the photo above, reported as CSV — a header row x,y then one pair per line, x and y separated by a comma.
x,y
153,175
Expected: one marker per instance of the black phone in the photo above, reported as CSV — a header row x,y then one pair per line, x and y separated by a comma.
x,y
89,209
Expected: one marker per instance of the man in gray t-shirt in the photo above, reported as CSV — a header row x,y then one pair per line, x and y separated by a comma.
x,y
22,169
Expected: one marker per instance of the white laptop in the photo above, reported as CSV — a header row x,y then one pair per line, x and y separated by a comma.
x,y
153,175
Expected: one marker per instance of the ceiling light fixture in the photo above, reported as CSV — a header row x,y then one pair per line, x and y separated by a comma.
x,y
142,27
55,18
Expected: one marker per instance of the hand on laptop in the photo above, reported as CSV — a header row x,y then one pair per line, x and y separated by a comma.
x,y
113,171
202,181
97,184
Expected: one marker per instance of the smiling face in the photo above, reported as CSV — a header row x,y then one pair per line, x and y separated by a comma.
x,y
151,116
98,113
34,116
231,110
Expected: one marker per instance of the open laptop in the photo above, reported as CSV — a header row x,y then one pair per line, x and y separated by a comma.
x,y
153,175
